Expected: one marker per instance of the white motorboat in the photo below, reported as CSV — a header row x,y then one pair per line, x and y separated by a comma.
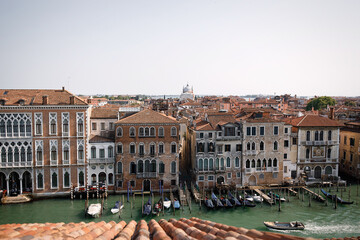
x,y
167,203
118,206
94,210
258,198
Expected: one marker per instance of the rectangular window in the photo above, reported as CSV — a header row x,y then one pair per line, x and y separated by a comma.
x,y
210,178
248,131
286,130
93,126
294,141
253,131
238,174
132,183
210,135
229,131
345,140
286,143
285,169
132,148
102,126
201,135
161,148
344,155
262,131
219,148
102,153
238,147
276,130
227,148
201,178
173,148
352,141
351,157
229,175
111,125
285,155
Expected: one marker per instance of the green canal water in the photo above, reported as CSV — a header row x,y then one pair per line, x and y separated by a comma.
x,y
321,220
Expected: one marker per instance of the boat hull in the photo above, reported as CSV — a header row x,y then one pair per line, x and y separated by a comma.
x,y
285,225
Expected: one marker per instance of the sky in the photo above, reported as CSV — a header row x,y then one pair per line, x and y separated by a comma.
x,y
229,47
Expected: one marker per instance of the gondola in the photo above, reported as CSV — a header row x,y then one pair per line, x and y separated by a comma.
x,y
285,225
147,207
226,202
332,197
216,201
208,203
118,206
233,200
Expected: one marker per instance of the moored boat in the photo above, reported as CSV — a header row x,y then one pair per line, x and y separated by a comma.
x,y
333,197
176,204
258,198
234,200
216,201
276,196
118,206
94,210
167,203
157,207
295,225
208,203
226,202
147,207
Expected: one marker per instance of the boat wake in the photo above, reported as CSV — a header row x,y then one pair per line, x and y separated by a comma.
x,y
314,228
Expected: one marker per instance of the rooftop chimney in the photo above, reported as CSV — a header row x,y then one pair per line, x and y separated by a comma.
x,y
45,100
88,100
72,100
332,113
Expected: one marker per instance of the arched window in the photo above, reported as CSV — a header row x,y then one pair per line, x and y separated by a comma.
x,y
307,153
173,147
141,131
261,146
65,126
153,166
269,162
152,149
80,127
53,126
161,148
173,167
53,153
275,162
28,128
201,164
237,162
16,154
228,162
40,181
161,167
119,167
66,179
206,164
119,148
10,155
140,166
16,128
253,146
217,164
152,132
258,163
200,147
222,164
37,127
248,163
3,155
316,136
119,132
110,151
173,131
81,152
54,180
147,132
93,152
22,128
307,135
211,164
248,146
264,163
141,149
253,163
39,154
29,154
9,128
161,131
321,135
2,128
329,135
328,170
329,153
132,168
132,132
81,179
275,146
111,178
22,154
132,148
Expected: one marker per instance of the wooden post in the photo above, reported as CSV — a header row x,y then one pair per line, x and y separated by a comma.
x,y
303,192
310,195
349,191
142,203
131,206
279,203
288,195
133,200
341,191
335,201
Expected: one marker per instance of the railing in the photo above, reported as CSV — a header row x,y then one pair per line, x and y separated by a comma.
x,y
247,170
66,162
15,164
317,143
53,162
258,169
101,160
332,142
147,175
65,134
250,152
307,143
275,169
39,163
81,161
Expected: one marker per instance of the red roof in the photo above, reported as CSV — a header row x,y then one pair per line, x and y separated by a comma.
x,y
314,121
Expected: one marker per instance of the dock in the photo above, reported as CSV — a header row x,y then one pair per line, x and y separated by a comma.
x,y
182,196
17,199
292,191
196,194
316,196
266,198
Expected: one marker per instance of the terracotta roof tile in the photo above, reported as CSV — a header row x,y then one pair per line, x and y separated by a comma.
x,y
314,121
147,116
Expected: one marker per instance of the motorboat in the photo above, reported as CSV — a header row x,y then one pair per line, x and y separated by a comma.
x,y
118,206
249,198
333,197
94,210
295,225
258,198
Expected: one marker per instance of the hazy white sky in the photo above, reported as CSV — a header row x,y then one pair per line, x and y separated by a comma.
x,y
155,47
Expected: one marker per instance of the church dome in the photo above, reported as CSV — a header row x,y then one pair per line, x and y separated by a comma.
x,y
187,89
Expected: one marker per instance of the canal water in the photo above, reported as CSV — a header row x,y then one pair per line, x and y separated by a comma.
x,y
321,220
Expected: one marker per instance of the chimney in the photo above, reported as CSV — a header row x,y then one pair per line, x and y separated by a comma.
x,y
332,113
45,100
72,100
88,100
63,88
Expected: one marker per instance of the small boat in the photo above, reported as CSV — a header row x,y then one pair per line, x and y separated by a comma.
x,y
285,225
277,197
332,197
216,201
226,202
118,205
249,197
167,203
157,207
246,203
233,200
147,207
208,203
258,198
176,204
94,210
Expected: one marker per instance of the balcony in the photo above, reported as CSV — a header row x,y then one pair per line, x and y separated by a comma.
x,y
15,164
80,161
275,169
65,134
319,143
66,162
248,170
39,163
258,169
250,152
147,175
332,142
101,160
307,143
53,162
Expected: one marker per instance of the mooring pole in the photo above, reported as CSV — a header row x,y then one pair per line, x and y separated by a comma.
x,y
335,201
349,191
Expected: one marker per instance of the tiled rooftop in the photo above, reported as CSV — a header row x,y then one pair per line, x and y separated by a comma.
x,y
183,228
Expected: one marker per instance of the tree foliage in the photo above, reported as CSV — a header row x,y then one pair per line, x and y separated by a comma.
x,y
320,103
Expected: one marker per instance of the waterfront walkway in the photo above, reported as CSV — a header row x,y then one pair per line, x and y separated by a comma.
x,y
193,228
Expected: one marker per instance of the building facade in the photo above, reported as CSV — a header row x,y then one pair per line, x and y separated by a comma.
x,y
147,151
43,141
